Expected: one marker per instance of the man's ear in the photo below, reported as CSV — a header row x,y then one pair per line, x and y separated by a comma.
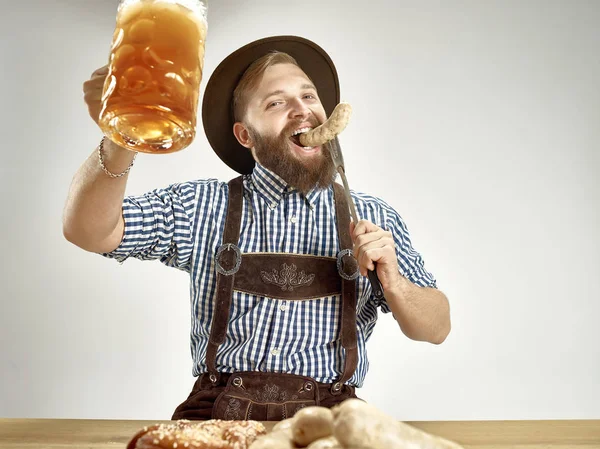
x,y
242,135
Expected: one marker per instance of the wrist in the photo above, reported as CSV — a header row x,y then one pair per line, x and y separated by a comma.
x,y
399,287
115,160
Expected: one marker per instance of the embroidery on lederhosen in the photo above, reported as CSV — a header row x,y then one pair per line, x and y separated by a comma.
x,y
233,411
288,278
272,393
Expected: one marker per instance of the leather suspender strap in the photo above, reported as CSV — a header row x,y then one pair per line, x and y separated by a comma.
x,y
227,259
348,321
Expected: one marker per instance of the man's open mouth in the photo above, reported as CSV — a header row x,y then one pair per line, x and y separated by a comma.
x,y
295,137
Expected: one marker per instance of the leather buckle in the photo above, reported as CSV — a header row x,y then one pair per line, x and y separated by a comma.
x,y
238,259
340,265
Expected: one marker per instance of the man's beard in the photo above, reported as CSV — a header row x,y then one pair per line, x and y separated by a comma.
x,y
274,153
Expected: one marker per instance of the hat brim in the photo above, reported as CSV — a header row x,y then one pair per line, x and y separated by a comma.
x,y
217,114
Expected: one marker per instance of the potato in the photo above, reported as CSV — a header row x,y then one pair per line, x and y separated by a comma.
x,y
325,443
282,425
357,424
310,424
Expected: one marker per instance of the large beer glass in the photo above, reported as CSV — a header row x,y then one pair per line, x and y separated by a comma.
x,y
150,97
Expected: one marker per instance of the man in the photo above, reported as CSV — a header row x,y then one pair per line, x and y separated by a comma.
x,y
280,313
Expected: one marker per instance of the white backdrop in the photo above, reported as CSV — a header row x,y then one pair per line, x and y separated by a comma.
x,y
478,121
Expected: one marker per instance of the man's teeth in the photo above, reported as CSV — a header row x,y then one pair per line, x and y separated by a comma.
x,y
301,130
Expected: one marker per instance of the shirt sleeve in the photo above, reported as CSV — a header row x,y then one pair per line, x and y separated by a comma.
x,y
159,225
410,262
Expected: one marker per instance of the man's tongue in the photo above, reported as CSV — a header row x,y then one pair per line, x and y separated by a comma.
x,y
296,139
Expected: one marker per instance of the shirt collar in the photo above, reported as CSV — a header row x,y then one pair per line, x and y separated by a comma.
x,y
273,188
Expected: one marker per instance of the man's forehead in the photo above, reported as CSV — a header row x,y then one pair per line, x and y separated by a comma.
x,y
282,76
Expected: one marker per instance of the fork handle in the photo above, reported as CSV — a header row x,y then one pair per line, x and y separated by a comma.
x,y
375,284
372,274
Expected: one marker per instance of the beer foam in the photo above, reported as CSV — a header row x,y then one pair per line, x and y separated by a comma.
x,y
149,9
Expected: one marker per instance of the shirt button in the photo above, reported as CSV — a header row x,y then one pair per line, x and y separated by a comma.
x,y
283,307
272,205
276,351
294,219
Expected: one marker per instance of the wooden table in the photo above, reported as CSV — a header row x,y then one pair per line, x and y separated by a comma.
x,y
109,434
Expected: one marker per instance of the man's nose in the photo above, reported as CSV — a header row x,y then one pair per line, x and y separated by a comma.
x,y
299,109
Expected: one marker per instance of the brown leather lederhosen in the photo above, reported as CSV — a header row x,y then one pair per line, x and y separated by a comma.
x,y
267,396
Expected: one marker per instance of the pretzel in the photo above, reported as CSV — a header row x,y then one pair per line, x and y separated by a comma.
x,y
335,124
212,434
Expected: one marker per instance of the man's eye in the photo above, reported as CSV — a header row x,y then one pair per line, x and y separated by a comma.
x,y
273,103
310,96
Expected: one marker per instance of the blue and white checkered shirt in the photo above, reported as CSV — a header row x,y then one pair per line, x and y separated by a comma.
x,y
182,226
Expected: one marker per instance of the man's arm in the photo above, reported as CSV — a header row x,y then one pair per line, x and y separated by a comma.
x,y
93,218
423,313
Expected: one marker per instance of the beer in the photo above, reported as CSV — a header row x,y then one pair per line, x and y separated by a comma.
x,y
150,97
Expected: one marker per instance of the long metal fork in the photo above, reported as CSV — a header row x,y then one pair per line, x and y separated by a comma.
x,y
338,159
